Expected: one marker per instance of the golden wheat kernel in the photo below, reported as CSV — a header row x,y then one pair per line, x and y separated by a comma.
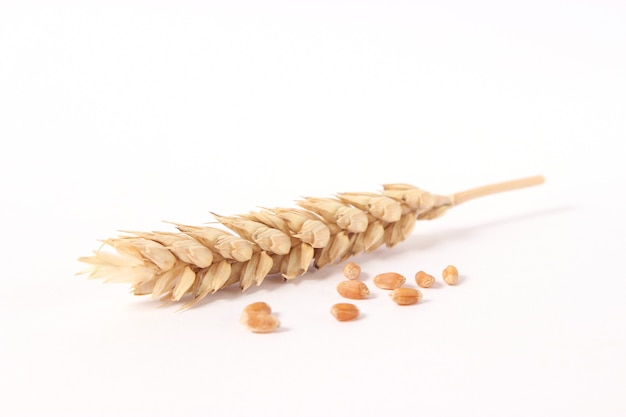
x,y
355,290
257,307
424,280
450,275
344,311
261,322
405,296
389,280
351,270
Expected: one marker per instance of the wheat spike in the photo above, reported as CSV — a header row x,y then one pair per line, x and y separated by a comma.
x,y
200,260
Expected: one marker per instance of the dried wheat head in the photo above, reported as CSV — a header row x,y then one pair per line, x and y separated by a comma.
x,y
199,260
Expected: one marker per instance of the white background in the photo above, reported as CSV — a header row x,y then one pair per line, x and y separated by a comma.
x,y
123,114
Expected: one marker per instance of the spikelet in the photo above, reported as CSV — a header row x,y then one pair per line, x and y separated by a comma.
x,y
199,260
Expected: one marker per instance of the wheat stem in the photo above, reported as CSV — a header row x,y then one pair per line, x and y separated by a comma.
x,y
463,196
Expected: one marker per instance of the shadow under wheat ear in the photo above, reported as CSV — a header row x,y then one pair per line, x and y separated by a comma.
x,y
196,261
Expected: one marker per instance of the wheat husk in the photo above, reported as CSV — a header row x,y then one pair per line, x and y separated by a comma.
x,y
196,261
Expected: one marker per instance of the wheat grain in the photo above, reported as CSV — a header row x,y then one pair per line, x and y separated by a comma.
x,y
450,275
351,270
200,260
389,280
344,311
405,296
356,290
424,280
258,307
261,322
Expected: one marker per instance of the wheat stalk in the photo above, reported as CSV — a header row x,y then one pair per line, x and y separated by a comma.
x,y
200,260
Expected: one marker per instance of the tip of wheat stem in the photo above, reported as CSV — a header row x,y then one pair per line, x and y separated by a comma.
x,y
463,196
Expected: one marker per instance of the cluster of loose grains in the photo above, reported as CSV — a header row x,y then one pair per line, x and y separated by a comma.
x,y
259,319
399,292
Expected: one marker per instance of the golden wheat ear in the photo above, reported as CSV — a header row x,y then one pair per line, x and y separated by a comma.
x,y
199,260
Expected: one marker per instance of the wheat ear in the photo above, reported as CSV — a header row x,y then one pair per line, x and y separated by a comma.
x,y
198,260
